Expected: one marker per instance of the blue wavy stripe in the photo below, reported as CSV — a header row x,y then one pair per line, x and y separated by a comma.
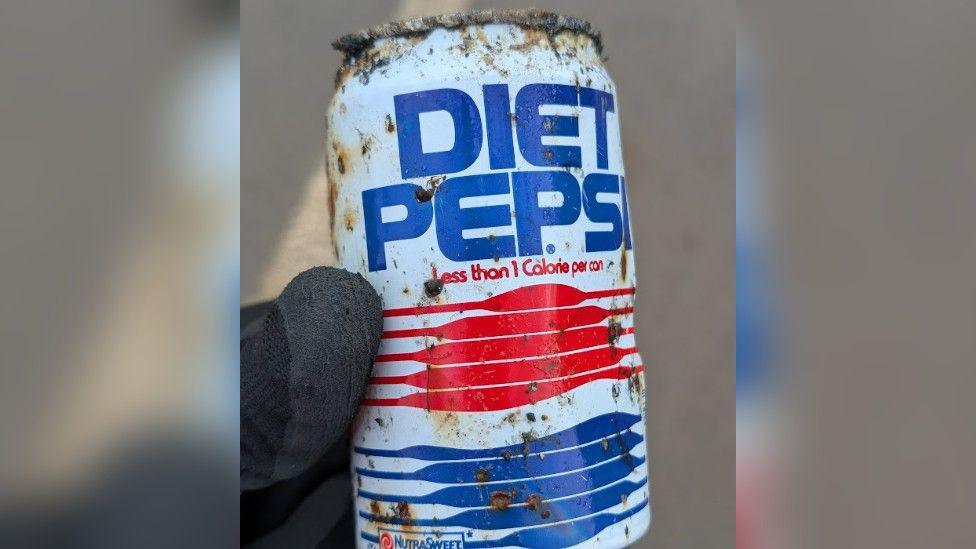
x,y
479,495
517,466
554,535
514,517
588,431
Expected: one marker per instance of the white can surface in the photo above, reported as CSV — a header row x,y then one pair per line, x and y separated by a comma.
x,y
476,180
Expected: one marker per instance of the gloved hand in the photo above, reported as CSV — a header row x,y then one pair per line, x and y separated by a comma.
x,y
305,360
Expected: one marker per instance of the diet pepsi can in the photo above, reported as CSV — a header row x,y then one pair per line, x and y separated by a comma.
x,y
476,181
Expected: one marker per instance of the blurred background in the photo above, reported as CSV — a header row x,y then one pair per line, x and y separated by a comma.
x,y
856,262
119,216
674,65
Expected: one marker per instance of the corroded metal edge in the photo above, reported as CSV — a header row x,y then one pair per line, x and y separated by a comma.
x,y
546,21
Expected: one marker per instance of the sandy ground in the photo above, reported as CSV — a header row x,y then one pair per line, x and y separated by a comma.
x,y
674,64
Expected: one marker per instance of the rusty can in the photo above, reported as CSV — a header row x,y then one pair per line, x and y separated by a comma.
x,y
476,180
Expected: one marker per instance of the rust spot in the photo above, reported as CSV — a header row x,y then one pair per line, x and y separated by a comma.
x,y
545,513
623,262
613,332
402,510
533,387
406,290
634,384
481,475
547,125
530,416
506,455
546,153
333,196
500,500
534,502
374,508
390,126
367,144
544,417
349,219
433,287
380,422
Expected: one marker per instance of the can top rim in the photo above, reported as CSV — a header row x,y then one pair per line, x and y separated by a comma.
x,y
551,23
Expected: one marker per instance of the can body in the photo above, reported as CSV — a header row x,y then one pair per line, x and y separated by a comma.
x,y
476,180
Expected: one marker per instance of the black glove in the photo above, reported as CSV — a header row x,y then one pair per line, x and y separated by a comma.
x,y
305,360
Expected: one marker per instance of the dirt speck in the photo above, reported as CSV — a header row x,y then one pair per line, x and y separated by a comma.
x,y
500,500
380,422
527,439
433,287
530,416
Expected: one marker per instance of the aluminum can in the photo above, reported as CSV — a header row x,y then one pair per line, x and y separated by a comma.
x,y
476,180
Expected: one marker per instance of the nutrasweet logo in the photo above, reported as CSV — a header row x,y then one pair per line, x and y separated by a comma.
x,y
420,540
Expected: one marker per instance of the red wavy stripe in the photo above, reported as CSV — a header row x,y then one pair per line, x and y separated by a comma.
x,y
504,348
548,320
535,369
539,296
499,398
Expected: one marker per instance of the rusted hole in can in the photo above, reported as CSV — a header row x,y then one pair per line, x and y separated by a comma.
x,y
433,287
424,194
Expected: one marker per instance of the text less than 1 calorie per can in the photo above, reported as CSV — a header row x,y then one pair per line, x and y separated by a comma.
x,y
476,181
